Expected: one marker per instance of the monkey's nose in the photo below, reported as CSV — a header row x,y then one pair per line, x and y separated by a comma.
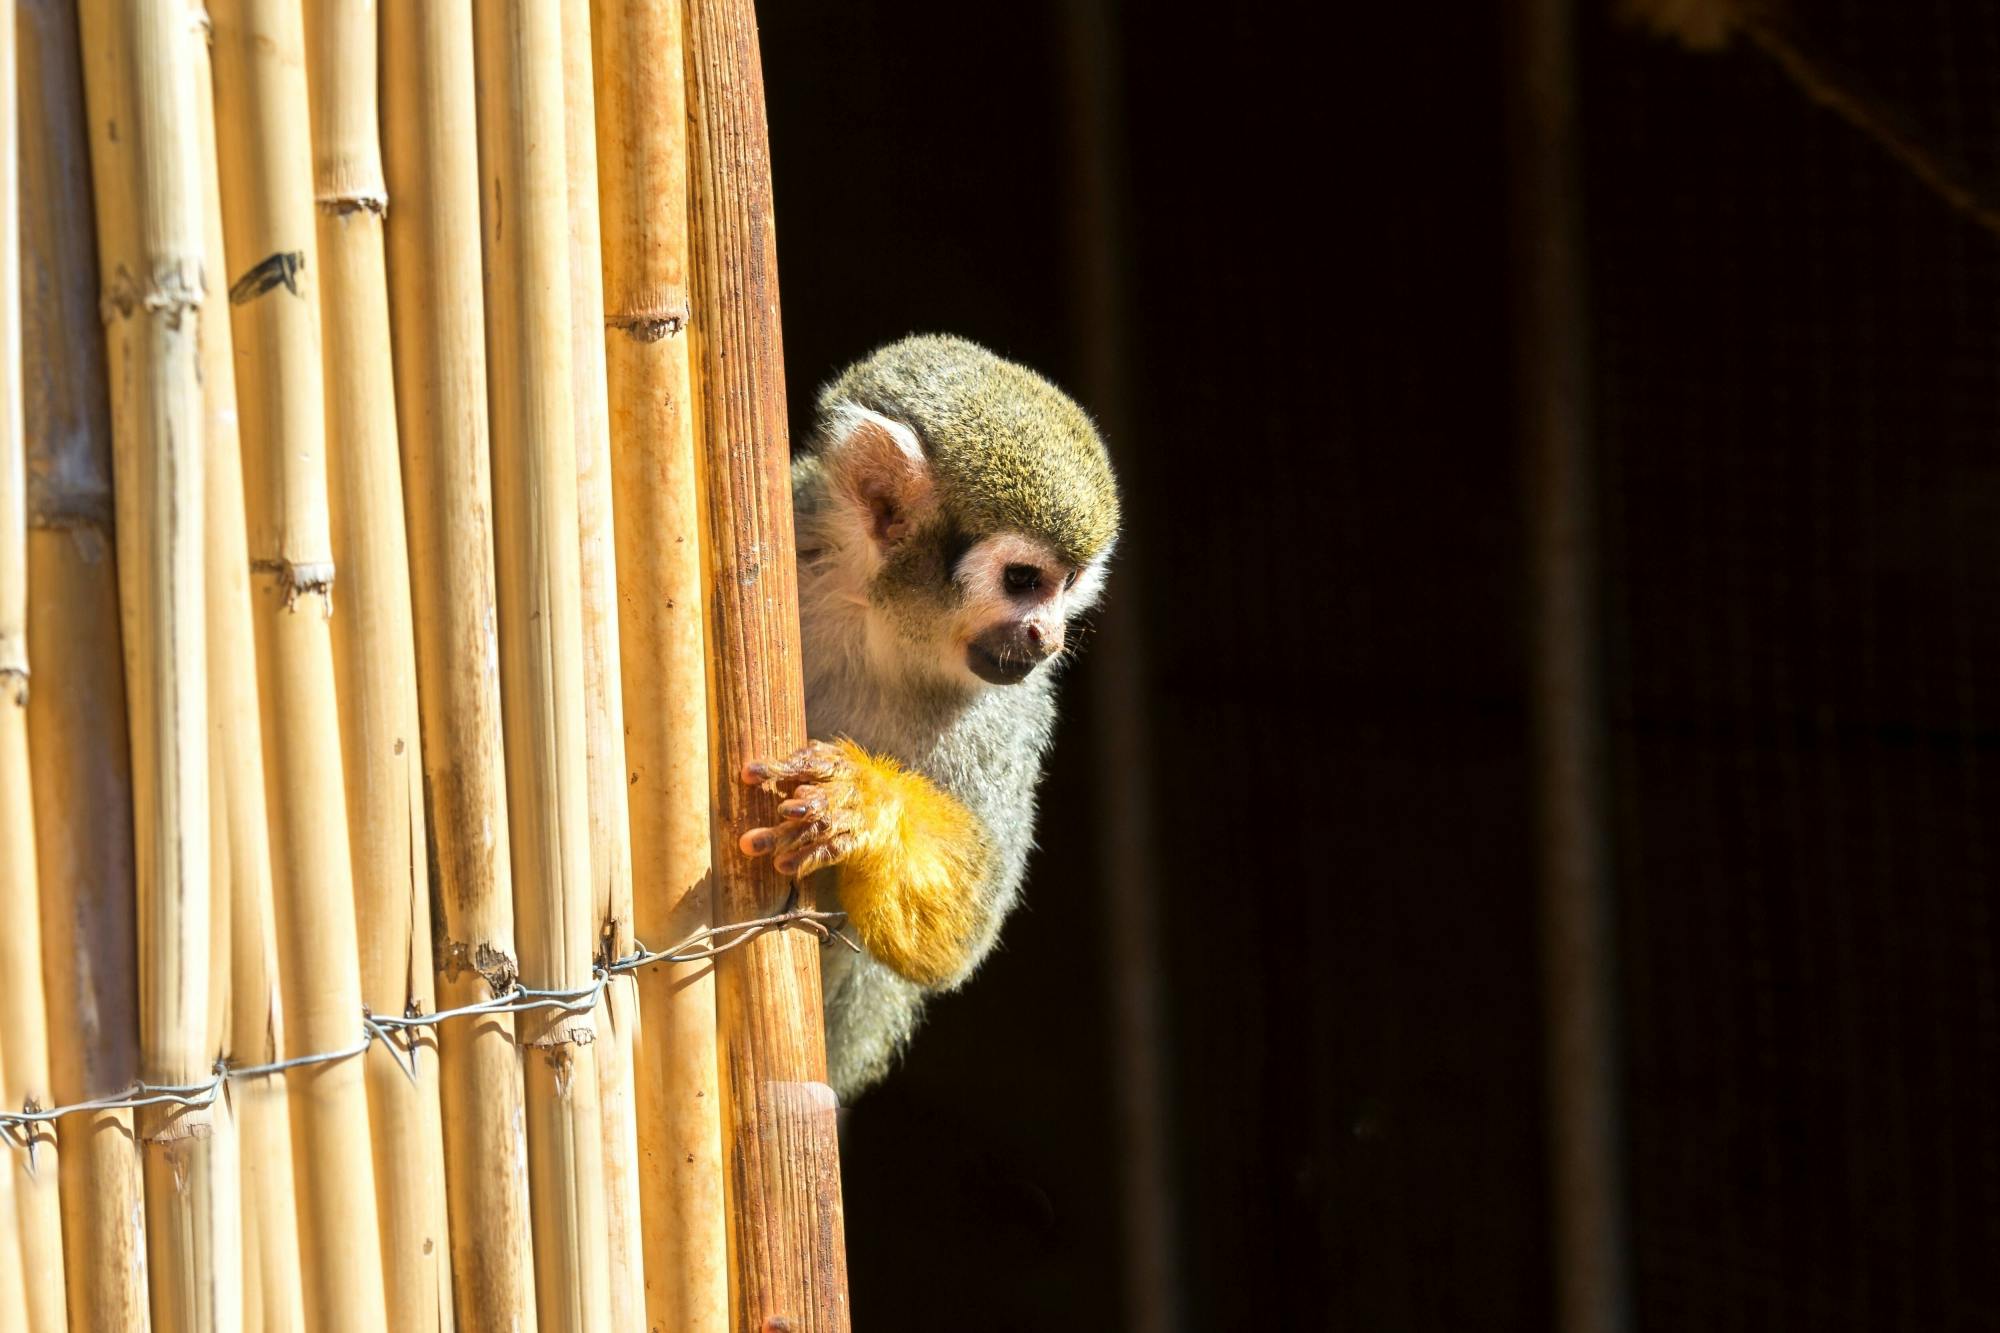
x,y
1035,635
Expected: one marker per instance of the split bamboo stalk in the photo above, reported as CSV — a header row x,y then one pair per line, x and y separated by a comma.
x,y
787,1258
525,228
375,666
149,252
438,323
604,713
272,1295
34,1208
268,220
77,732
642,183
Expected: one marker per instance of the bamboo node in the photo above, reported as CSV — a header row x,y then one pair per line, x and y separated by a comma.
x,y
347,202
175,290
273,271
574,1030
298,579
496,966
649,324
13,676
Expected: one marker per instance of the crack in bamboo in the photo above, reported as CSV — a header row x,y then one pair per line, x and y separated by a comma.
x,y
375,203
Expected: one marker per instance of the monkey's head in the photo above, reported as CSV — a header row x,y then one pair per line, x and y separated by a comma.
x,y
964,502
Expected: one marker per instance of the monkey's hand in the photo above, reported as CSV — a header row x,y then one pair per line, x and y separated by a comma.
x,y
911,858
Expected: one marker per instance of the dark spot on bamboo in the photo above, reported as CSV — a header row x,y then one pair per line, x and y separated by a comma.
x,y
281,269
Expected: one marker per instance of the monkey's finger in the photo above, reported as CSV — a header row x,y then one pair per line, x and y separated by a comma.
x,y
828,852
817,762
758,841
796,837
807,801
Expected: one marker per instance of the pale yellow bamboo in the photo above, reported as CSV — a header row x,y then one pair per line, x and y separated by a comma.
x,y
604,711
77,733
267,205
272,1294
24,1055
13,1286
438,328
525,229
375,666
642,164
149,251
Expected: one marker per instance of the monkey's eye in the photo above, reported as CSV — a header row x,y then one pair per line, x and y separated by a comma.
x,y
1021,578
1070,582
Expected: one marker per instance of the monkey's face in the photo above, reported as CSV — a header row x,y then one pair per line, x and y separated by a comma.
x,y
943,600
1016,599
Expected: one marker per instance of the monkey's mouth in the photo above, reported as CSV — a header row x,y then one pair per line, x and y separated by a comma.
x,y
999,668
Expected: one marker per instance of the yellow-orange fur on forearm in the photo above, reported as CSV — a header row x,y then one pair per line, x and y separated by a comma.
x,y
909,886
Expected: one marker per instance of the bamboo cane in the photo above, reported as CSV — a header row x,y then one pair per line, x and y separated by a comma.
x,y
268,217
438,319
604,713
525,222
24,1071
271,1289
77,734
13,1285
235,812
24,1056
787,1260
642,140
149,249
375,668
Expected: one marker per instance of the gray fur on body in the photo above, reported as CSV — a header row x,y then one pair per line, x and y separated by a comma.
x,y
982,745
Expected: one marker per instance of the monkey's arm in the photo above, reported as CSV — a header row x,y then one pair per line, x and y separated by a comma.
x,y
912,858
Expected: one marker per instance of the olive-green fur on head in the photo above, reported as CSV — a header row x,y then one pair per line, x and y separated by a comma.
x,y
1008,450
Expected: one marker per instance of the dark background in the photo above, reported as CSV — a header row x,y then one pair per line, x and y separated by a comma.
x,y
1270,247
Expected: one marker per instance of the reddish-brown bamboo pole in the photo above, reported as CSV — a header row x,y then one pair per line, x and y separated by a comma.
x,y
261,116
24,1052
525,228
787,1258
77,734
642,184
272,1295
603,709
438,328
149,251
375,666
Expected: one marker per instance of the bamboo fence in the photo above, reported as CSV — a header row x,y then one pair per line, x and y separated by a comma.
x,y
395,571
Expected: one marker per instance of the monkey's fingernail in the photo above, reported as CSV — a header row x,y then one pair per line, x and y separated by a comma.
x,y
794,809
754,773
758,841
785,865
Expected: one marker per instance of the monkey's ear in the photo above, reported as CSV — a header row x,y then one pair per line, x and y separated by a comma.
x,y
882,466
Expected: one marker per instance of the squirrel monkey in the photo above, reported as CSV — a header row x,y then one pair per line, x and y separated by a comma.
x,y
954,512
